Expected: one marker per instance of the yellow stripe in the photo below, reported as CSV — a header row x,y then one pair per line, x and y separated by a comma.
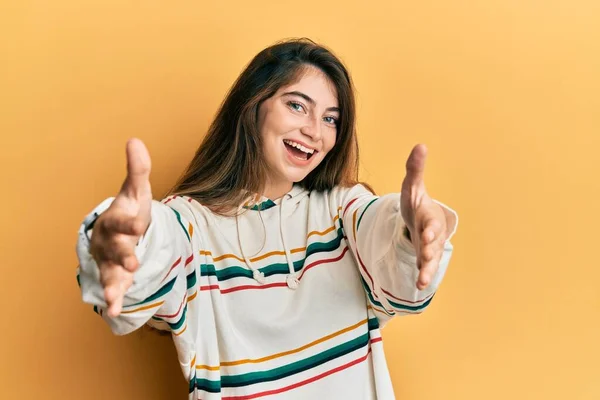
x,y
147,307
354,224
326,231
183,330
192,296
285,353
272,253
208,367
381,310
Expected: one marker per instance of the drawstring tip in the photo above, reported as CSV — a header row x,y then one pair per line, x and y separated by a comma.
x,y
258,276
292,281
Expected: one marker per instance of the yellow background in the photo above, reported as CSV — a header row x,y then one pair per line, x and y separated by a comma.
x,y
506,94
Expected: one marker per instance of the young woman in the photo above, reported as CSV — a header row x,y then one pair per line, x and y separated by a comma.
x,y
271,265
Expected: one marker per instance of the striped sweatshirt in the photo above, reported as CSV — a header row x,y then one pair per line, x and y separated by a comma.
x,y
286,300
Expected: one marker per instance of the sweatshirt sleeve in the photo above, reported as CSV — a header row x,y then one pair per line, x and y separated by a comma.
x,y
386,259
165,281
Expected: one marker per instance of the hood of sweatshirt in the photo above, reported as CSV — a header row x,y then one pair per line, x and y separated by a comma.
x,y
286,206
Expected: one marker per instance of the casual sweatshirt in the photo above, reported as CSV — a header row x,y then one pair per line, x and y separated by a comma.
x,y
285,300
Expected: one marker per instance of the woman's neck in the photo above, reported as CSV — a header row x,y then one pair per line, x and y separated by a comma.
x,y
278,190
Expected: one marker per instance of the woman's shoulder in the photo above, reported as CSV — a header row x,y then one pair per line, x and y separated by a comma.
x,y
188,208
341,194
351,189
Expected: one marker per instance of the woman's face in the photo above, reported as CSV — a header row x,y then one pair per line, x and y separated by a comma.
x,y
298,125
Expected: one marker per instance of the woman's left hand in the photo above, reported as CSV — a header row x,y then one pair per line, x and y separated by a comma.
x,y
427,221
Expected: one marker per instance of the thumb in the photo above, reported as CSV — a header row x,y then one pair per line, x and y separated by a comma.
x,y
415,167
137,183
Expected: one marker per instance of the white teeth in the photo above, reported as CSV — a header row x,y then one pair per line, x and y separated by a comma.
x,y
299,146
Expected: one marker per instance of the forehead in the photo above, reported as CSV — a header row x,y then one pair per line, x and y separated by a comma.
x,y
315,84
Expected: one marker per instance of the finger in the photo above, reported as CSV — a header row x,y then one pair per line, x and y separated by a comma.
x,y
431,229
118,294
137,183
119,221
118,282
125,284
415,166
114,308
110,275
430,261
427,271
120,250
131,263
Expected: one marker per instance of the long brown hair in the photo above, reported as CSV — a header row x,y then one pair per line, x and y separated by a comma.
x,y
229,165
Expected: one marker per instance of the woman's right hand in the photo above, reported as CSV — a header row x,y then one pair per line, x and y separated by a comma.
x,y
117,230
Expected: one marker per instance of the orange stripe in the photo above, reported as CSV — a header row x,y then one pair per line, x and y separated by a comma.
x,y
301,383
183,330
208,367
149,306
191,229
298,250
272,253
354,224
224,256
193,363
192,297
381,310
285,353
326,231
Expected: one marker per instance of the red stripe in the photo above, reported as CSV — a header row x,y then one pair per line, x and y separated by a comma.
x,y
246,287
172,267
243,287
327,260
301,383
277,284
358,255
369,275
376,340
177,313
189,259
406,301
169,199
348,206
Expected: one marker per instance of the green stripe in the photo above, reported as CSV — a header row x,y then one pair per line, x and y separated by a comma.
x,y
265,205
159,293
285,370
373,324
371,298
296,367
181,224
205,384
191,280
392,303
176,325
275,268
410,308
364,211
179,323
